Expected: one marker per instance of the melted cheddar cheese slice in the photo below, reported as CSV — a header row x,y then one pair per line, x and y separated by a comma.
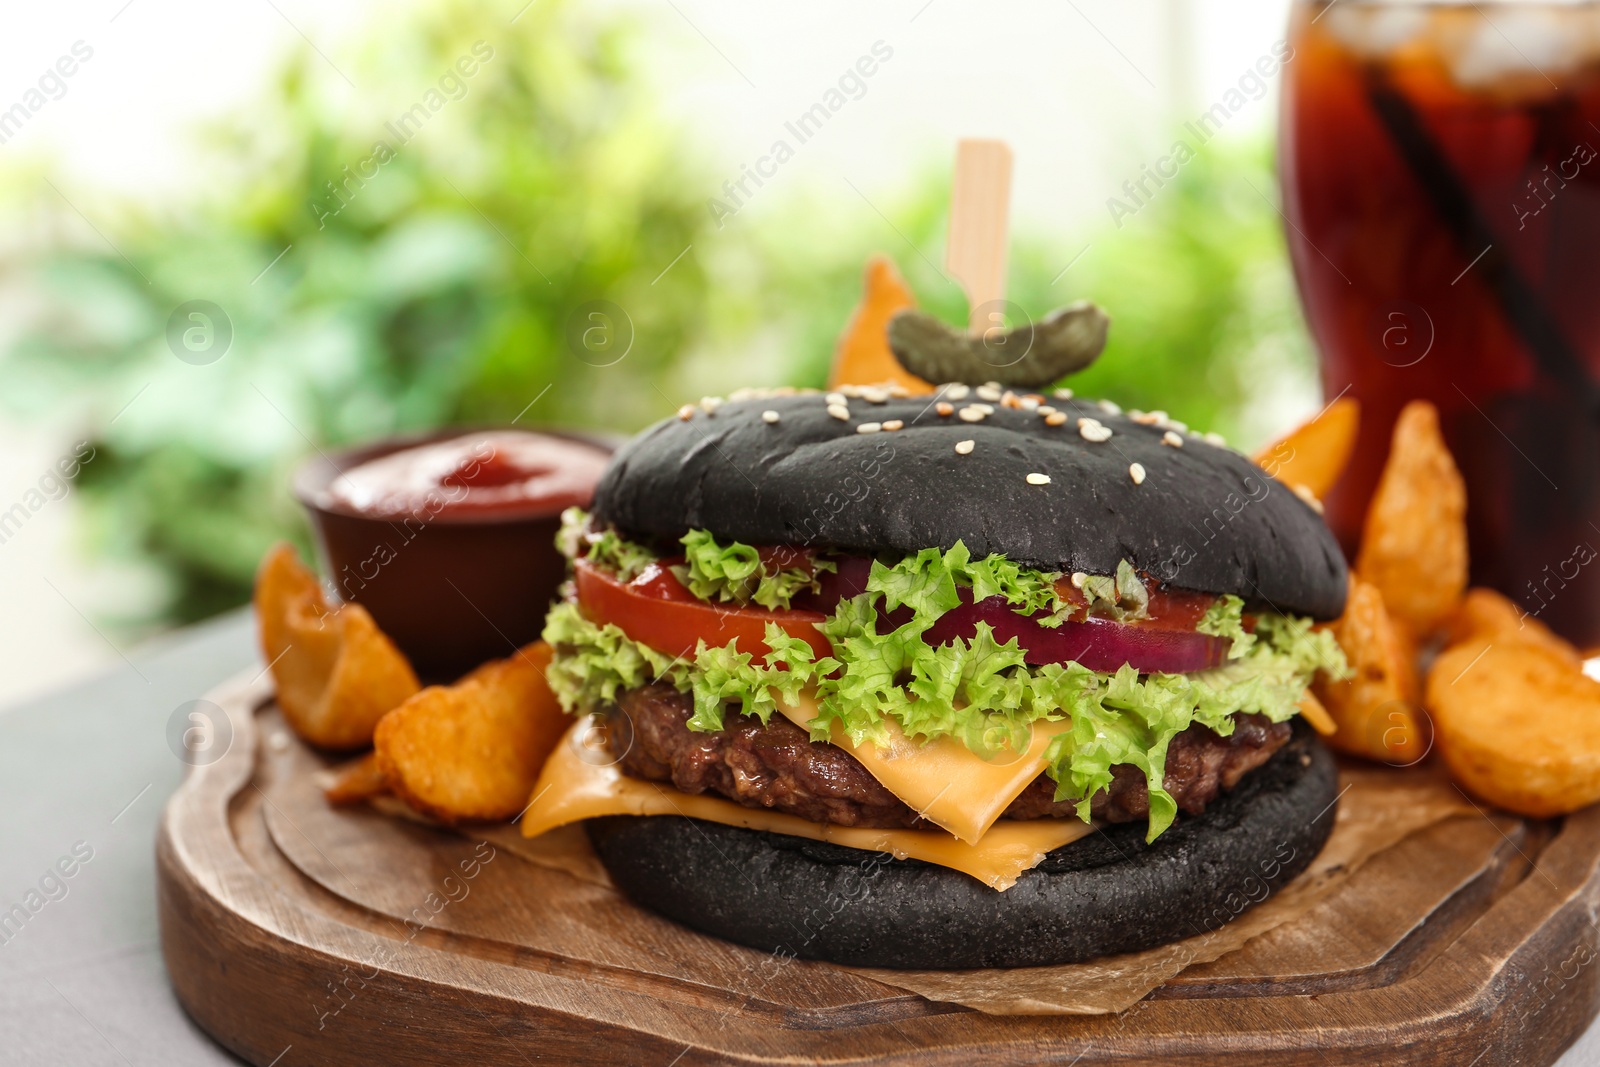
x,y
944,781
578,782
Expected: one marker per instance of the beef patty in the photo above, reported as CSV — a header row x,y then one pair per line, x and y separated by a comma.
x,y
778,766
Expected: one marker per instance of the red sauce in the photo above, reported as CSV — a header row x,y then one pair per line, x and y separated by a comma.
x,y
499,473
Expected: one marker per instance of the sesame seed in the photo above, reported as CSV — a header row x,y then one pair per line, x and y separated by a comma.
x,y
898,391
839,411
869,427
1034,398
1046,409
956,391
987,409
769,417
1170,438
875,395
1038,479
1078,578
1110,407
972,414
686,412
1309,497
1008,399
1093,430
1146,418
1174,424
1063,394
1214,439
988,392
944,409
1158,416
892,425
835,398
1136,472
708,404
964,447
1055,418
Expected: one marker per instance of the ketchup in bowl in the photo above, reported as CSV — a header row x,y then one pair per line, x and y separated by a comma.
x,y
448,540
499,473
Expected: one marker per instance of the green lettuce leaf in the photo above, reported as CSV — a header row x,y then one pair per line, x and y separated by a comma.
x,y
1309,649
1122,719
1131,718
721,677
734,573
867,689
720,572
604,549
570,537
956,684
595,663
978,691
928,582
1122,596
1225,618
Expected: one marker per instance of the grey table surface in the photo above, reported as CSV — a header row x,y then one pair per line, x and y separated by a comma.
x,y
82,981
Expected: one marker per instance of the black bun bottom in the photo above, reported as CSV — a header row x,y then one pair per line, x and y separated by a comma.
x,y
1104,894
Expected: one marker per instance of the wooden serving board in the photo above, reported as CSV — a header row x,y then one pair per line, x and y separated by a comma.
x,y
284,924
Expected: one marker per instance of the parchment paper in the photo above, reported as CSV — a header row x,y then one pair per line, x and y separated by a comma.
x,y
1378,807
565,849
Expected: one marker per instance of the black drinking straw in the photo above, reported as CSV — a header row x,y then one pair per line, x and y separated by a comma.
x,y
1518,301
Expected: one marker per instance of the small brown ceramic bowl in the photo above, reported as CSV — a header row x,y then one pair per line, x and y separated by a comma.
x,y
459,590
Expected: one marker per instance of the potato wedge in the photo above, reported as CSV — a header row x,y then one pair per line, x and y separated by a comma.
x,y
863,356
1414,543
1518,725
473,750
1313,455
1376,709
358,781
335,672
1487,615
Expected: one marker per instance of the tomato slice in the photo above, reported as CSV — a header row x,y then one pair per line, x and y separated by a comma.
x,y
656,610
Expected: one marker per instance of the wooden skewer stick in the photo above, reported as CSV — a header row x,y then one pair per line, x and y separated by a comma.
x,y
980,208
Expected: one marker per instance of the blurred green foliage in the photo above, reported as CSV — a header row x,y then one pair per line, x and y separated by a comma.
x,y
1205,318
440,283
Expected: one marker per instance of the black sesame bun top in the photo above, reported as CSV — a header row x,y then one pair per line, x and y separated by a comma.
x,y
1047,486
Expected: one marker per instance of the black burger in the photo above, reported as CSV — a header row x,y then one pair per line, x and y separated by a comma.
x,y
964,680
